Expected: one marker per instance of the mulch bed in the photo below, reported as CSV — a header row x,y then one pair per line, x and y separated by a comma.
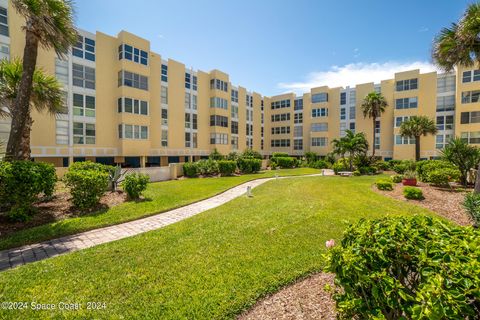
x,y
59,208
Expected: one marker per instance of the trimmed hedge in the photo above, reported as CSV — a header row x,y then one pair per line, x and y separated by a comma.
x,y
385,185
227,167
406,268
190,169
284,162
207,167
134,184
246,165
413,193
397,178
86,186
319,164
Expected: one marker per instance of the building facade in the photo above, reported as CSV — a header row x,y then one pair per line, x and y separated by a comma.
x,y
128,105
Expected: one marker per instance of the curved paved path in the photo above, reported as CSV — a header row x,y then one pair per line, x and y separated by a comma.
x,y
11,258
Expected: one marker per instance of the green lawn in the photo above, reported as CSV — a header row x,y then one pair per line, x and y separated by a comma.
x,y
164,196
211,266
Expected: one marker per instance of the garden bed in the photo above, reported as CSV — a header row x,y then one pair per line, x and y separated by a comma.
x,y
444,201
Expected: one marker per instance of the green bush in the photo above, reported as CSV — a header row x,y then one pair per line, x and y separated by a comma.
x,y
393,163
311,157
442,177
381,165
284,162
472,205
319,164
425,167
412,193
22,183
404,165
134,184
251,154
232,156
227,167
86,186
190,169
397,178
207,167
341,165
89,165
246,165
367,170
280,154
356,173
215,155
385,185
406,268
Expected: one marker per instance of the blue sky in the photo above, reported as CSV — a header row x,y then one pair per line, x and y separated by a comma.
x,y
278,46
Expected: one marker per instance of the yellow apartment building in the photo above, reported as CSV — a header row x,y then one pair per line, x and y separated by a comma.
x,y
128,105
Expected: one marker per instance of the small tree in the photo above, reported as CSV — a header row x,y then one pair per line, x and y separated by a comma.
x,y
463,156
373,106
415,127
352,143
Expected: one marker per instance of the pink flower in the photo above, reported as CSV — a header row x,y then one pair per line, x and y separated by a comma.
x,y
330,243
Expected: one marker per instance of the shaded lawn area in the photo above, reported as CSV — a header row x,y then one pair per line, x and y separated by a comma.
x,y
211,266
161,196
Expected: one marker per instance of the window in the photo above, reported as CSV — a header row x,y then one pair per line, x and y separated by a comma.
x,y
298,104
234,127
234,142
164,117
406,103
188,100
298,131
410,84
219,103
377,137
399,140
469,117
83,76
4,51
471,137
280,117
164,94
164,73
343,128
319,142
446,103
445,122
234,95
471,75
131,53
64,109
281,130
399,120
280,143
134,106
343,98
61,71
249,101
249,129
164,138
280,104
249,115
470,96
352,127
219,85
297,144
441,140
218,138
352,99
378,88
61,131
187,120
84,48
234,111
188,139
190,81
219,121
83,105
3,22
128,131
194,102
134,80
321,112
297,118
319,127
319,97
343,114
351,113
83,133
446,84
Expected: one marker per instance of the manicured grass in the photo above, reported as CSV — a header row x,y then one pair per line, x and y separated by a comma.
x,y
162,196
211,266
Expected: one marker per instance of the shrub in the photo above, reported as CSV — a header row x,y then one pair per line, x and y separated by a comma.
x,y
385,185
425,167
472,205
246,165
393,163
279,154
367,170
412,193
442,177
232,156
356,173
284,162
215,155
406,268
319,164
21,184
311,157
227,167
409,174
341,165
207,167
89,165
400,168
397,178
134,184
381,165
190,169
86,186
251,154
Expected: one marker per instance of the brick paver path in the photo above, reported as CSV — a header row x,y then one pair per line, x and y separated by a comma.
x,y
30,253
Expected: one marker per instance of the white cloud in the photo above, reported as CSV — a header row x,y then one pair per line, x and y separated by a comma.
x,y
353,74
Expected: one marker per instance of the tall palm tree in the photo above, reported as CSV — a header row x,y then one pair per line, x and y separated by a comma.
x,y
373,106
47,94
459,45
48,23
415,127
352,143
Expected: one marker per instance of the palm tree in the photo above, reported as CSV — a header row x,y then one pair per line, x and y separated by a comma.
x,y
462,155
460,45
49,23
352,143
47,94
415,127
373,106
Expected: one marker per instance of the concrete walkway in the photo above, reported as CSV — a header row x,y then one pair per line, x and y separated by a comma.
x,y
11,258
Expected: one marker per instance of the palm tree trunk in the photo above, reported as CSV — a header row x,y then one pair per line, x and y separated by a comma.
x,y
477,181
16,149
417,148
25,143
374,134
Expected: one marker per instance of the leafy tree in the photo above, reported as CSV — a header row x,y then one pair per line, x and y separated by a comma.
x,y
49,23
373,106
46,93
354,144
415,127
462,155
310,157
